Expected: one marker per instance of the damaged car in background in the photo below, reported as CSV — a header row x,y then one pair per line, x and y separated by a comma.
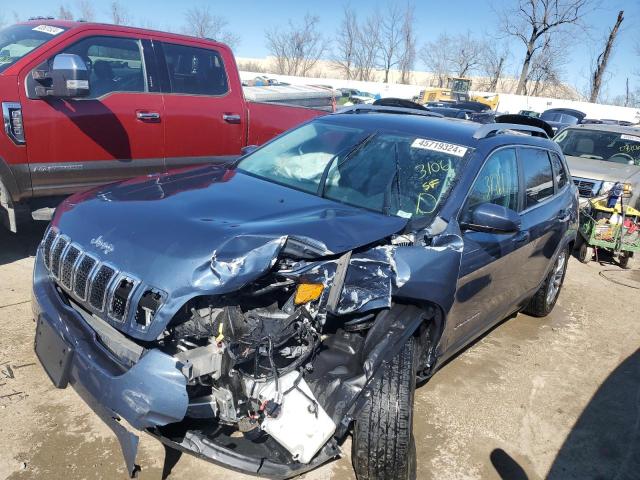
x,y
254,314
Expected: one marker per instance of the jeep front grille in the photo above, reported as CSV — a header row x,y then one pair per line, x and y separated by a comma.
x,y
98,286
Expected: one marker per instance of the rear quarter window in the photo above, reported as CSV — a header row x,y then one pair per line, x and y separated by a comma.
x,y
559,171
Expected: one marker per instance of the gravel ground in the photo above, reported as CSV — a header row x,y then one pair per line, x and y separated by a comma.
x,y
555,398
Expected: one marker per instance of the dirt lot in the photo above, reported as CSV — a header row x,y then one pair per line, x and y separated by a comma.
x,y
554,398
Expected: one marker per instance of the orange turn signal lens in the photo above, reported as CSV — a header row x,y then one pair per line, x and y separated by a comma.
x,y
308,292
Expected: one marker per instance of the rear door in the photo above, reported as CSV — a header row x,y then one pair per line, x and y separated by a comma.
x,y
114,133
204,119
546,212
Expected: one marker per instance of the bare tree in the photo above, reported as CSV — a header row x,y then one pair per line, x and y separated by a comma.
x,y
64,13
367,49
200,22
435,56
390,38
119,14
85,8
493,63
547,68
533,20
465,53
408,47
298,48
347,43
601,62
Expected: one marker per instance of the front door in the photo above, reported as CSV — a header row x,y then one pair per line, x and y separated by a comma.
x,y
205,119
115,133
490,276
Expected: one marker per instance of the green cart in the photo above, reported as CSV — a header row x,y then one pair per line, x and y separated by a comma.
x,y
607,228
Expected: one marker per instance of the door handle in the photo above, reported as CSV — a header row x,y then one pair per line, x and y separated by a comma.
x,y
521,238
231,117
147,116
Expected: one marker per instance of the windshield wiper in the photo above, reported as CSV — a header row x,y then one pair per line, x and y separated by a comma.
x,y
352,151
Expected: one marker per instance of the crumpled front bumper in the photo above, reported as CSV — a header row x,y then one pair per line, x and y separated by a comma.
x,y
149,394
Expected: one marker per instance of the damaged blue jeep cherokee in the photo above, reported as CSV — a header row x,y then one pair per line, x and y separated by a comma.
x,y
254,314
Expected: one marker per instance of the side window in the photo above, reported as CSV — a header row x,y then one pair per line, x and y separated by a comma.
x,y
538,176
497,182
115,64
558,170
197,71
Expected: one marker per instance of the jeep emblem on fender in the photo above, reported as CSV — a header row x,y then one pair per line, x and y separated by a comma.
x,y
100,244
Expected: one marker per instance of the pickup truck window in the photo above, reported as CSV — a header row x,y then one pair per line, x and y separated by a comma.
x,y
18,40
115,64
196,71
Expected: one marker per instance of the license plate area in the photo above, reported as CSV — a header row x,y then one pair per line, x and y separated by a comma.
x,y
54,353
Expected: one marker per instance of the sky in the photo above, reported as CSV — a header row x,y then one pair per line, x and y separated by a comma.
x,y
249,19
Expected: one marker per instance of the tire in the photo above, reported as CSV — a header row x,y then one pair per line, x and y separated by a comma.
x,y
383,446
545,298
585,252
626,261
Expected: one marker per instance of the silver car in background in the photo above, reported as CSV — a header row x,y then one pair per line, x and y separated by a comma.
x,y
600,155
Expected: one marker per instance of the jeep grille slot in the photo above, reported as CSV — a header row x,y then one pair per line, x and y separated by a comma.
x,y
58,248
47,244
99,286
82,276
120,299
70,258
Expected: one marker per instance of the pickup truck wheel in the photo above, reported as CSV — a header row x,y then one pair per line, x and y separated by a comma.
x,y
585,253
545,298
383,446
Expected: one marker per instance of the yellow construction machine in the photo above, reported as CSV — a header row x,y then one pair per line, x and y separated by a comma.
x,y
457,90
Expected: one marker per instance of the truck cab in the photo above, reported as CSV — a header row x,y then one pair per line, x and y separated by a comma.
x,y
86,104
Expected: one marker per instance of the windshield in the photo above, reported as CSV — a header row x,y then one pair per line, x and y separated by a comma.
x,y
601,145
388,172
18,40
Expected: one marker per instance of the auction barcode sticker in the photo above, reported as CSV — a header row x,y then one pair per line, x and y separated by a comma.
x,y
48,29
443,147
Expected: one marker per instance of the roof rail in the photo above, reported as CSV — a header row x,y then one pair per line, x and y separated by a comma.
x,y
368,108
491,129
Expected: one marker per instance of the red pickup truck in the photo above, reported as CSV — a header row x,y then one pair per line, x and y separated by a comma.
x,y
86,104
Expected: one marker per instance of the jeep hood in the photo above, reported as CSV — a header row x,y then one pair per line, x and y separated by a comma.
x,y
211,230
602,169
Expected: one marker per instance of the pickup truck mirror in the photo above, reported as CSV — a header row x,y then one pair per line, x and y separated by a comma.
x,y
489,217
68,77
248,149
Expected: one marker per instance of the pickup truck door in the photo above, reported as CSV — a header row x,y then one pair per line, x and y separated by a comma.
x,y
113,134
205,118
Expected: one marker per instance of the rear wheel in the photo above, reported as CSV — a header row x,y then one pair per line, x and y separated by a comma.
x,y
545,298
383,446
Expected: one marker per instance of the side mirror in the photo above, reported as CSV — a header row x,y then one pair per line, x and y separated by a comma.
x,y
488,217
68,77
248,149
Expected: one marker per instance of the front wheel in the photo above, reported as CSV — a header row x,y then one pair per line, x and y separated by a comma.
x,y
383,446
585,253
626,260
545,298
